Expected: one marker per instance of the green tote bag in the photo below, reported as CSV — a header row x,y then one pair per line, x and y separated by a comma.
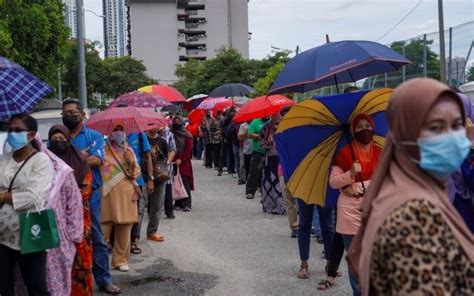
x,y
38,231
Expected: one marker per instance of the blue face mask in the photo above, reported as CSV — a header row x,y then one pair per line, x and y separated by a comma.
x,y
442,155
17,140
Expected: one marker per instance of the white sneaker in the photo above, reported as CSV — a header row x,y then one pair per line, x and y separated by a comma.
x,y
124,268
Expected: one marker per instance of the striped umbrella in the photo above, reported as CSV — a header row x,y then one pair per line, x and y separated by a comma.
x,y
133,119
167,92
215,104
20,91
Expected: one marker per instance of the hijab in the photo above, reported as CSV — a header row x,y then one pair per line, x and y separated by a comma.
x,y
367,155
71,156
398,180
456,183
180,135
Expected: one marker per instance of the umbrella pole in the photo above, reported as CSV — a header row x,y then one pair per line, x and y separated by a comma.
x,y
337,85
355,159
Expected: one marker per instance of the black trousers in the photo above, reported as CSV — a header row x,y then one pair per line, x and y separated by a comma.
x,y
169,200
185,202
32,268
247,158
223,159
255,174
337,251
213,152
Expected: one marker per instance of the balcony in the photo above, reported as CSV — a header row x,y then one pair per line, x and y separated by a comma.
x,y
200,46
182,16
194,22
187,58
182,3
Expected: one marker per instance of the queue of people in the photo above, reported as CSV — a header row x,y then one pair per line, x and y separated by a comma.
x,y
98,188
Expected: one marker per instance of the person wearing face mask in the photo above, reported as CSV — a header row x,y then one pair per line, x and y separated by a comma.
x,y
412,239
91,145
120,195
182,160
351,173
25,179
461,182
59,142
212,138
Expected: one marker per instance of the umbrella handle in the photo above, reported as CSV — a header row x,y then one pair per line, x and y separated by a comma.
x,y
355,159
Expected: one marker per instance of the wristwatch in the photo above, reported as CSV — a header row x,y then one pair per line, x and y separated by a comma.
x,y
152,178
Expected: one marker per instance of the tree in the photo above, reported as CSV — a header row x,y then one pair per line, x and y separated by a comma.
x,y
123,75
413,52
228,66
263,84
33,34
470,74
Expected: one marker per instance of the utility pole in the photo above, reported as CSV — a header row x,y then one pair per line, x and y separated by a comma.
x,y
81,56
425,57
442,50
450,62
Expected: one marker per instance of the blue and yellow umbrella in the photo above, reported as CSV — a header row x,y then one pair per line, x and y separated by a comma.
x,y
312,133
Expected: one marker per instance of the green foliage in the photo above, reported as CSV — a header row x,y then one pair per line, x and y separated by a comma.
x,y
263,84
33,34
228,66
470,74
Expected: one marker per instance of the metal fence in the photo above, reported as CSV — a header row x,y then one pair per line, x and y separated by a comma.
x,y
423,51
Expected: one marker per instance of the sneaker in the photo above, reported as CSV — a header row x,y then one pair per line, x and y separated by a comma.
x,y
241,182
234,175
313,233
294,233
320,240
219,173
187,209
250,196
170,217
124,268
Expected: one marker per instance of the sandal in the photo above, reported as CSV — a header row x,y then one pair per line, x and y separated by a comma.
x,y
110,289
325,284
303,273
338,273
135,249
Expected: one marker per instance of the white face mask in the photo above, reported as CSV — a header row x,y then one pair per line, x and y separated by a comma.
x,y
119,137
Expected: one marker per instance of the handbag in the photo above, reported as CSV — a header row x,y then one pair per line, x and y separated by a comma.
x,y
137,193
179,191
160,168
38,230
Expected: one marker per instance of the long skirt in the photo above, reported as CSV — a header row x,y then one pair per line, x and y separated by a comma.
x,y
272,198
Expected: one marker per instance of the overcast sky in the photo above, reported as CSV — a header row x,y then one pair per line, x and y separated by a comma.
x,y
287,23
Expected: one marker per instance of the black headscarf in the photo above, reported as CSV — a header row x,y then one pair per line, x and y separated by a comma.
x,y
180,134
71,156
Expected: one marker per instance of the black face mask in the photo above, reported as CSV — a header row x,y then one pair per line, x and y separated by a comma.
x,y
364,136
71,121
58,147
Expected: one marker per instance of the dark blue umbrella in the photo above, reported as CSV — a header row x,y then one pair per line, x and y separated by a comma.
x,y
231,90
334,63
20,91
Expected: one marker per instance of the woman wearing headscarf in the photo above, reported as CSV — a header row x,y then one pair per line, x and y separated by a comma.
x,y
212,138
184,148
412,241
59,142
351,173
25,192
461,183
120,193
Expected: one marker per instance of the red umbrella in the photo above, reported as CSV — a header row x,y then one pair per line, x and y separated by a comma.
x,y
133,119
193,129
139,99
196,116
165,91
262,107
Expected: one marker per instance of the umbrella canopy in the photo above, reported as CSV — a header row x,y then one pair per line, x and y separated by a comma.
x,y
196,97
262,107
240,101
215,104
140,100
167,92
196,116
133,119
20,91
313,132
334,63
172,109
231,90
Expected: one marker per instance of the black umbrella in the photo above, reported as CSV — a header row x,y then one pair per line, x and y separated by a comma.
x,y
231,90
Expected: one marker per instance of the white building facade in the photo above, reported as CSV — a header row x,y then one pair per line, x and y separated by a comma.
x,y
167,32
70,17
115,28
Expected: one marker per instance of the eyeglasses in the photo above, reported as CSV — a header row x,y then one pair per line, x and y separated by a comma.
x,y
73,113
17,130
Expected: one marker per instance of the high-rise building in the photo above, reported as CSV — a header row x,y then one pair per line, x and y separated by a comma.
x,y
115,28
458,69
70,17
167,32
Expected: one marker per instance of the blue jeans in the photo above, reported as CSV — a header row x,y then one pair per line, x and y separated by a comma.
x,y
100,267
236,151
353,279
326,222
316,224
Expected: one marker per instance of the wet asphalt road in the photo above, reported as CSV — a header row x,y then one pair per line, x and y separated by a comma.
x,y
225,246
